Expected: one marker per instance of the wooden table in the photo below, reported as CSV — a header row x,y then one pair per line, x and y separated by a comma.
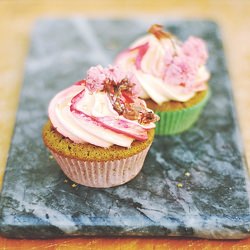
x,y
16,20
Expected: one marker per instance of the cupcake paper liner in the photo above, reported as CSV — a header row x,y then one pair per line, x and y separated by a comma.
x,y
101,174
173,122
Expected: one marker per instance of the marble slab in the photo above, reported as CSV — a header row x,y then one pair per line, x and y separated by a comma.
x,y
193,184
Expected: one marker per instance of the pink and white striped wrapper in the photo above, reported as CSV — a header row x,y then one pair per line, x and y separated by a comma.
x,y
101,174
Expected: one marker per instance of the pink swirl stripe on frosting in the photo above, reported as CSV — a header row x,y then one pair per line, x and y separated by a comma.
x,y
110,122
71,113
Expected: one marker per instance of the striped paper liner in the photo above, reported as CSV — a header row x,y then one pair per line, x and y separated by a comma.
x,y
101,174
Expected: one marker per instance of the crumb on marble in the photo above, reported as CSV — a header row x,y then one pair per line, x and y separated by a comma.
x,y
179,185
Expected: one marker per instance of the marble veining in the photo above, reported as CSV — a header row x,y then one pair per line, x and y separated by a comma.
x,y
194,184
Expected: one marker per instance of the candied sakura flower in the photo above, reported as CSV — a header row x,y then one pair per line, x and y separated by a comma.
x,y
182,71
122,90
195,48
95,78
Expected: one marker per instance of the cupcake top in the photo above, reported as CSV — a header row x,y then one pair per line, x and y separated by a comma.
x,y
166,68
103,110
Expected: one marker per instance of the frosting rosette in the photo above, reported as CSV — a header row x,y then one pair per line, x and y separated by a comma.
x,y
103,109
166,68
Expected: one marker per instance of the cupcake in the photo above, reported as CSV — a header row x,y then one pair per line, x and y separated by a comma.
x,y
172,76
99,131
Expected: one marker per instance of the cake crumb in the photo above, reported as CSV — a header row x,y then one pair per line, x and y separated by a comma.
x,y
74,185
179,185
51,157
187,174
65,181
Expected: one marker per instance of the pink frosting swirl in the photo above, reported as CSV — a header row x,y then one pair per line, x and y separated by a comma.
x,y
166,68
103,110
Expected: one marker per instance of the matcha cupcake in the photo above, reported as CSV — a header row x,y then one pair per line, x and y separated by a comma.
x,y
99,131
172,76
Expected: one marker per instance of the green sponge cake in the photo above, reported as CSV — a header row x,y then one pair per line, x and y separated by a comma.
x,y
57,143
175,105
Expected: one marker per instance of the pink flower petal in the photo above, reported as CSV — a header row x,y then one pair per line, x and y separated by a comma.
x,y
95,78
195,48
182,71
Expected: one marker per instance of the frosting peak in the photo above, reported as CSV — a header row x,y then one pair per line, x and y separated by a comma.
x,y
166,68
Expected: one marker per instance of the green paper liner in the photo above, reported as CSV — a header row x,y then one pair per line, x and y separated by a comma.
x,y
173,122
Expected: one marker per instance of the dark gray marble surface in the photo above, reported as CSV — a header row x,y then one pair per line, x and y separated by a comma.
x,y
207,160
